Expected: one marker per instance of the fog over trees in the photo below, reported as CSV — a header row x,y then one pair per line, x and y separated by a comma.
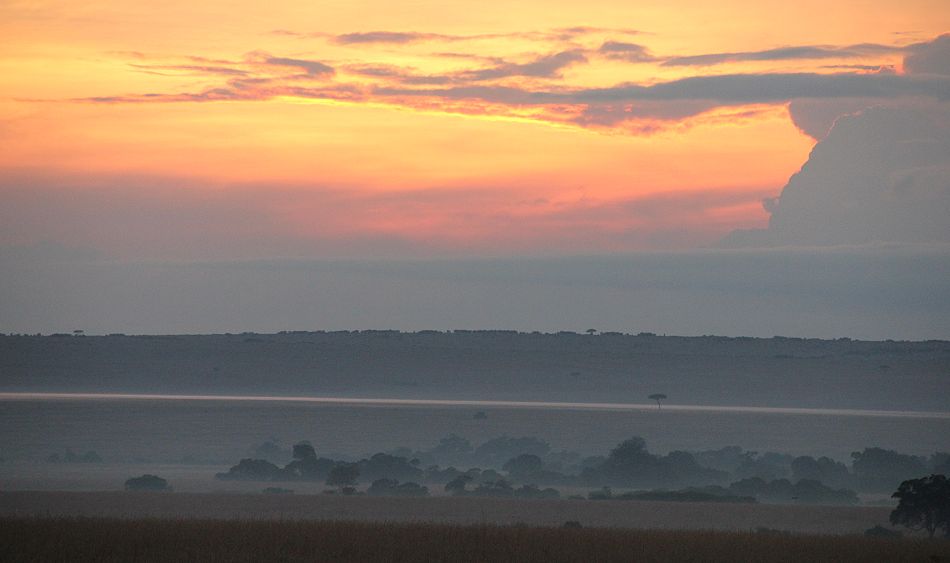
x,y
629,471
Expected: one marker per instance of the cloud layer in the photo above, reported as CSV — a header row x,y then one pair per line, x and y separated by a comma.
x,y
881,175
547,85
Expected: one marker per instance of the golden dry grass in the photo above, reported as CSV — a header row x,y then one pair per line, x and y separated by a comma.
x,y
37,539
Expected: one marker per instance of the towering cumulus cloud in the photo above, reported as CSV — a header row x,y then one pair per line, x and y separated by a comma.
x,y
880,175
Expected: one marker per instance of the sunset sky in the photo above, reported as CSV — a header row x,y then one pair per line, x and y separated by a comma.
x,y
207,131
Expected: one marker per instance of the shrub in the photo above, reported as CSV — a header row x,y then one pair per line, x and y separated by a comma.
x,y
251,470
277,491
147,483
392,487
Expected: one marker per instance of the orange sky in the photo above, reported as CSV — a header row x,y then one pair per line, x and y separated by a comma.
x,y
485,128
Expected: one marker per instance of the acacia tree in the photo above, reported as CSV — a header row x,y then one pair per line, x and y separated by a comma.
x,y
924,504
657,397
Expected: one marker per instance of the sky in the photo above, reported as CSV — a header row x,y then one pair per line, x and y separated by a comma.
x,y
145,147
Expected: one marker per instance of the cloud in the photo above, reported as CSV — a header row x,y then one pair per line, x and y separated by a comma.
x,y
563,34
880,176
630,52
646,109
890,69
400,74
193,69
397,37
802,52
815,99
932,57
547,66
730,89
312,68
580,30
775,87
815,117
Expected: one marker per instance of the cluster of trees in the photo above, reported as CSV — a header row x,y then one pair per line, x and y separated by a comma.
x,y
631,465
880,470
522,466
689,494
497,488
752,489
804,491
393,488
384,470
924,503
872,469
454,450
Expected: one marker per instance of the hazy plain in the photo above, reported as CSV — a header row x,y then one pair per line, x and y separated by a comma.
x,y
219,432
457,510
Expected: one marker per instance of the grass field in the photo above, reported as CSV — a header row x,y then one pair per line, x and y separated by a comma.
x,y
449,510
50,540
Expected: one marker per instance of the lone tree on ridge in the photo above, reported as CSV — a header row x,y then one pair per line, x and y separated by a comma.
x,y
657,397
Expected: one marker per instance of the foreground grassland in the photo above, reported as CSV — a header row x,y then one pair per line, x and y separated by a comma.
x,y
154,540
448,510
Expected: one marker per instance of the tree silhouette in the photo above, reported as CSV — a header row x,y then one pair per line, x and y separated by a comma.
x,y
523,466
147,483
924,504
303,450
343,476
657,397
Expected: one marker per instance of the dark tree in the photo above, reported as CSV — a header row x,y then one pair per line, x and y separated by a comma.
x,y
251,470
499,488
343,476
657,397
147,483
385,466
824,469
270,450
497,451
303,450
392,487
877,469
523,466
457,486
924,504
308,469
940,463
